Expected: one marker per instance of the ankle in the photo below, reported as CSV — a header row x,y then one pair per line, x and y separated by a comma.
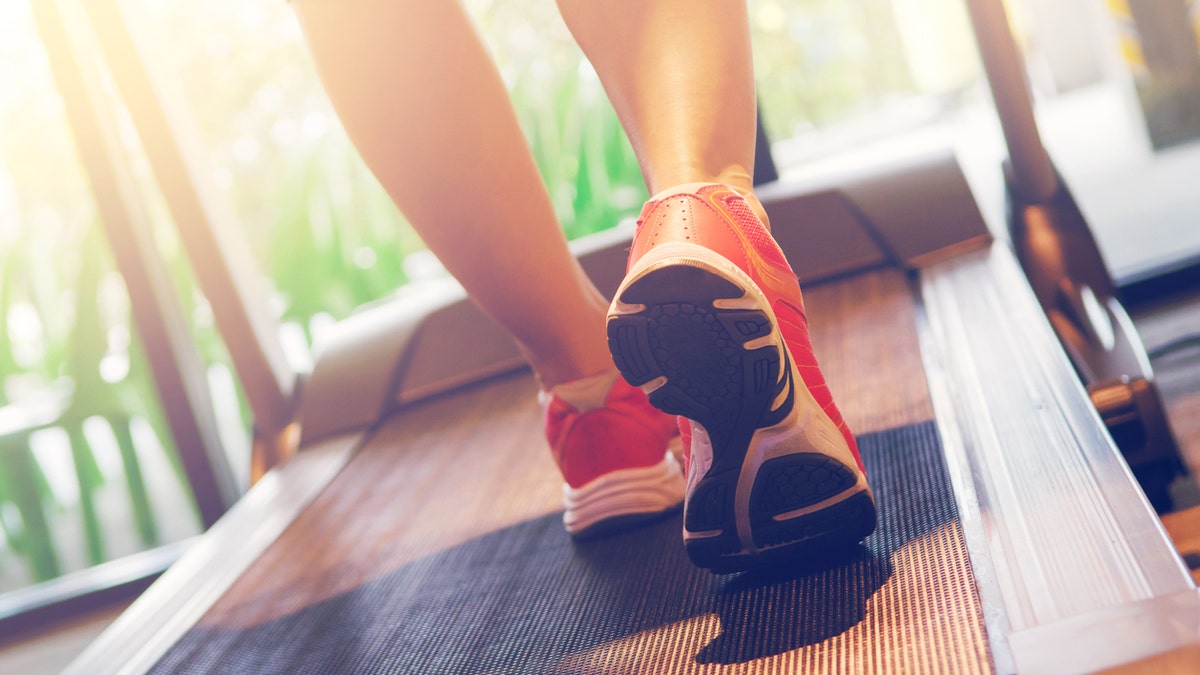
x,y
569,361
571,346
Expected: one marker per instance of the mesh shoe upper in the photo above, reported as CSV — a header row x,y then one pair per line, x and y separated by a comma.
x,y
626,433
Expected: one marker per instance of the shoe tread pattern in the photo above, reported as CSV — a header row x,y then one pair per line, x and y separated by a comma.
x,y
710,376
713,379
710,506
797,481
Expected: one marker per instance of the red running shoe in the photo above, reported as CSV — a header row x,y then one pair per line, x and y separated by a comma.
x,y
709,321
616,460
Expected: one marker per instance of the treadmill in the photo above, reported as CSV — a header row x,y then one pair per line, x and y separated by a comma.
x,y
416,529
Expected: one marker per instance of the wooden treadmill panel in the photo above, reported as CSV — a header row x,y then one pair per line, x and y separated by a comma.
x,y
439,547
863,331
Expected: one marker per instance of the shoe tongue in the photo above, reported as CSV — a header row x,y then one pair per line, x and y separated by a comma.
x,y
586,393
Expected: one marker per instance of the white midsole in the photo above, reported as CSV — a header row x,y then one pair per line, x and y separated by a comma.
x,y
626,492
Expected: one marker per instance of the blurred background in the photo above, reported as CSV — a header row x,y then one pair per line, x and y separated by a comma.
x,y
88,472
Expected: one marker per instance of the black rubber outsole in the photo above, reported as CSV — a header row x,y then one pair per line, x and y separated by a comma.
x,y
833,528
712,378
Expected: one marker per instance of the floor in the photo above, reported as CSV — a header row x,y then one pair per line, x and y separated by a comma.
x,y
1161,323
50,650
1140,203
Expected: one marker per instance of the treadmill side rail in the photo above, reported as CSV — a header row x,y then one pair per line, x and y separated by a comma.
x,y
139,637
1061,537
1158,636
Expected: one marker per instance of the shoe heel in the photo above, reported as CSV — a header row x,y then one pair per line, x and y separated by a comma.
x,y
696,356
719,555
839,525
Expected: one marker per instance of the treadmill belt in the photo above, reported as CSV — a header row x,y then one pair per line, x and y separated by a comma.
x,y
526,599
438,548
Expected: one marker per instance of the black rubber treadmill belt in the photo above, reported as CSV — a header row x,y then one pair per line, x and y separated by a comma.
x,y
525,599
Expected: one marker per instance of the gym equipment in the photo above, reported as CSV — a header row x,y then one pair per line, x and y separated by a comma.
x,y
1068,274
416,530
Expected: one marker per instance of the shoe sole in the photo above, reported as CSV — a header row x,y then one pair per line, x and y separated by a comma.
x,y
700,338
623,499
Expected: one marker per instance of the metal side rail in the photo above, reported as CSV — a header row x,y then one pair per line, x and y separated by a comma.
x,y
1075,570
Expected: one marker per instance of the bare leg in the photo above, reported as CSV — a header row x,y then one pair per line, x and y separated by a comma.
x,y
427,110
681,79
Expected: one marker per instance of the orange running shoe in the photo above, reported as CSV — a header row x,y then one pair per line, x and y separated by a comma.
x,y
709,321
616,459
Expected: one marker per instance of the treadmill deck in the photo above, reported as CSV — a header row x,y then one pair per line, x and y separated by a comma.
x,y
438,548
